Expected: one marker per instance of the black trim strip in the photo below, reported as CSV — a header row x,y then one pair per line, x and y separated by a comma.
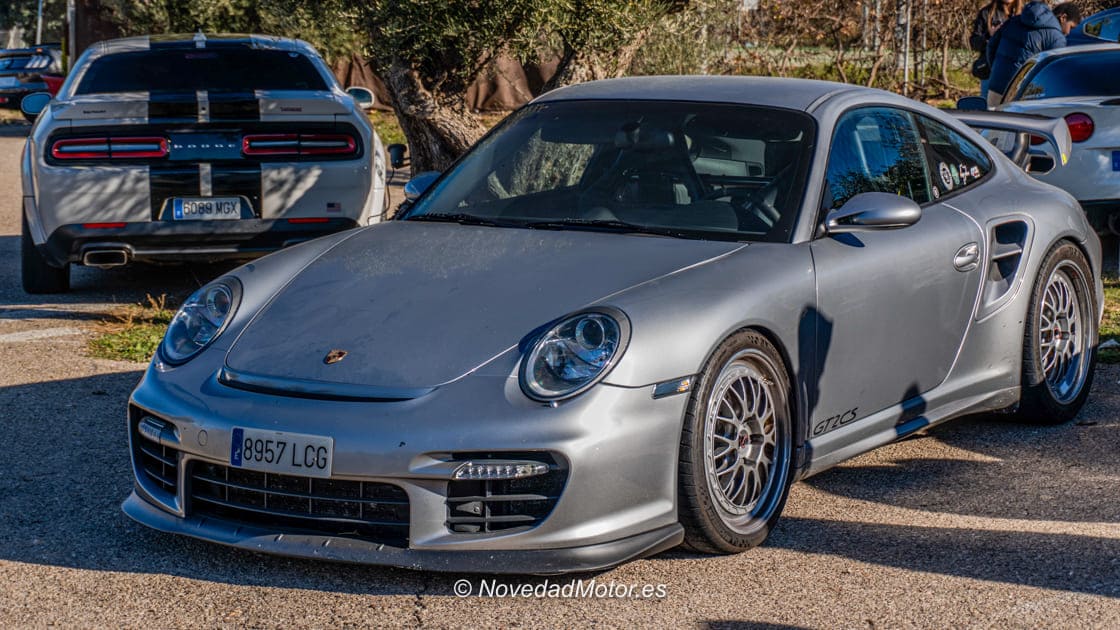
x,y
166,106
234,106
238,179
171,180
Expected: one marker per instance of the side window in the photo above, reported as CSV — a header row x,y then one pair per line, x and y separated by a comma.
x,y
954,162
876,150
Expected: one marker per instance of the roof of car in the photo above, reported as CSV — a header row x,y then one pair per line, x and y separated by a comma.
x,y
197,40
1076,50
765,91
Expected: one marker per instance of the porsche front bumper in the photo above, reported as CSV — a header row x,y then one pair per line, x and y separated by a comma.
x,y
617,448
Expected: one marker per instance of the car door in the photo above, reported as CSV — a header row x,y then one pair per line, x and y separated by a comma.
x,y
894,305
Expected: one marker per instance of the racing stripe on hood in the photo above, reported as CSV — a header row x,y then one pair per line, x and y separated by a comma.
x,y
173,107
167,181
235,106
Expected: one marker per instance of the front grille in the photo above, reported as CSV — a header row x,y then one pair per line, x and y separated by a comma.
x,y
157,462
504,505
377,512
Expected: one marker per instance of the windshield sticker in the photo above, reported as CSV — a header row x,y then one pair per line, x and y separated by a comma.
x,y
936,192
956,175
975,170
946,175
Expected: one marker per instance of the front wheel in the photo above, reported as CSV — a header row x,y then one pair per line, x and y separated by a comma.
x,y
1060,339
736,446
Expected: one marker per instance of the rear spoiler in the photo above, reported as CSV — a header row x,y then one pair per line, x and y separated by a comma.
x,y
1023,126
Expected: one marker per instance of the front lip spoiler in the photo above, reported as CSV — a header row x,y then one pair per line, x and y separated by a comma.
x,y
529,561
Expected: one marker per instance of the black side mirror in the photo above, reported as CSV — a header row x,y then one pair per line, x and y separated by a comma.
x,y
973,104
33,104
397,153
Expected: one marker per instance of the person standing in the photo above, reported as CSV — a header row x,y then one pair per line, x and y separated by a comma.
x,y
1034,30
988,20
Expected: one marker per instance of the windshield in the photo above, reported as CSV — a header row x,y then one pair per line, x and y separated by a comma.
x,y
1075,75
697,170
229,69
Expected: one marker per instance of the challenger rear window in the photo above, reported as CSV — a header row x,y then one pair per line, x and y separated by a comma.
x,y
191,69
1075,75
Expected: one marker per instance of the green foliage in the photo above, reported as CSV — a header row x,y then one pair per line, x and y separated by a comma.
x,y
1110,324
134,332
23,14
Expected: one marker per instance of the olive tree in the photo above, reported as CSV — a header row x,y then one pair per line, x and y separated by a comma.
x,y
429,51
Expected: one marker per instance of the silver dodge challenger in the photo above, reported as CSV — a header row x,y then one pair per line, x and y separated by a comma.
x,y
629,318
176,148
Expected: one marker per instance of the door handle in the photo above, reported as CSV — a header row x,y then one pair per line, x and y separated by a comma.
x,y
967,257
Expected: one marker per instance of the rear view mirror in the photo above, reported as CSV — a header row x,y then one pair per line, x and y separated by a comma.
x,y
973,104
362,96
33,104
397,153
873,211
417,185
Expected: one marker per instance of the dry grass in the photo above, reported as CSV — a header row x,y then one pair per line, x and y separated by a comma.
x,y
133,332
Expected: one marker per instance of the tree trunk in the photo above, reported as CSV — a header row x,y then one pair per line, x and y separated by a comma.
x,y
439,127
578,67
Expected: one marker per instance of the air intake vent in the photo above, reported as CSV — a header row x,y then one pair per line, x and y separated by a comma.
x,y
1006,245
478,507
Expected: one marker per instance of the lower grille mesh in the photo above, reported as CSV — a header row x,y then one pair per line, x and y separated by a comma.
x,y
377,512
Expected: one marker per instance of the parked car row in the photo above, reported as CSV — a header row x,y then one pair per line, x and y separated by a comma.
x,y
629,318
26,71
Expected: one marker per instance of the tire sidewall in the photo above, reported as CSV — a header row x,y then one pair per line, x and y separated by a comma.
x,y
703,510
1038,403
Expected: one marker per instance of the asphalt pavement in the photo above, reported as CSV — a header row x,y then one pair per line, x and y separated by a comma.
x,y
978,523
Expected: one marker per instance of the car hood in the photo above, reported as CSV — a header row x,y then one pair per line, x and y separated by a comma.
x,y
417,305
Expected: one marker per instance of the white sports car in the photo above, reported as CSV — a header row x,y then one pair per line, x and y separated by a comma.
x,y
1078,84
184,147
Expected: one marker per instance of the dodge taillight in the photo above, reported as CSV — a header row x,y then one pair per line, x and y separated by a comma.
x,y
1081,127
293,144
106,148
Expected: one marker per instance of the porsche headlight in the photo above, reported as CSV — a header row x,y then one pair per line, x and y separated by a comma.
x,y
200,320
573,355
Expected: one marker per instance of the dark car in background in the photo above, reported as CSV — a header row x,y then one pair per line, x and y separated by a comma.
x,y
1097,28
24,71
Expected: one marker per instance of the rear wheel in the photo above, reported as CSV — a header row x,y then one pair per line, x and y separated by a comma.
x,y
38,275
1060,338
735,447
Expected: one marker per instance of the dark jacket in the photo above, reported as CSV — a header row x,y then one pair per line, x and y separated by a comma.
x,y
1034,30
978,38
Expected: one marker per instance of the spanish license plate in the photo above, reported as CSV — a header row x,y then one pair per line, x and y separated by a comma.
x,y
1116,160
206,209
279,452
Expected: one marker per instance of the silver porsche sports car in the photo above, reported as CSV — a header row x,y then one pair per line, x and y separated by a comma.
x,y
178,148
630,317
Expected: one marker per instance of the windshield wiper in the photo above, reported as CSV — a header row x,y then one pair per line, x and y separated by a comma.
x,y
609,225
463,218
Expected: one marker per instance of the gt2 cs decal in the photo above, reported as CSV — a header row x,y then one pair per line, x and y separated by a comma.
x,y
834,422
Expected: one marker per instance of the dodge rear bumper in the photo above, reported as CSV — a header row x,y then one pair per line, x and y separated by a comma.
x,y
168,241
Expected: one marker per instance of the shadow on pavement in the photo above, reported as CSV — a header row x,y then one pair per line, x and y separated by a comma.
x,y
68,471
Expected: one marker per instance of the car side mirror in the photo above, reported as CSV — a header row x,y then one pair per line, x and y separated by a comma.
x,y
417,185
397,153
362,96
973,104
873,211
33,104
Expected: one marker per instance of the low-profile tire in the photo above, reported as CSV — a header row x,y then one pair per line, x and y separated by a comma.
x,y
38,275
1059,338
736,446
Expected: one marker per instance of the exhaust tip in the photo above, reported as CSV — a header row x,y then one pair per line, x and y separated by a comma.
x,y
105,258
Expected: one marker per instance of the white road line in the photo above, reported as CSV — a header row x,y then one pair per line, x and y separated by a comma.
x,y
33,335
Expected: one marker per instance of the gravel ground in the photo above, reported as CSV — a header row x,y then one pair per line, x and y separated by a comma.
x,y
973,524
